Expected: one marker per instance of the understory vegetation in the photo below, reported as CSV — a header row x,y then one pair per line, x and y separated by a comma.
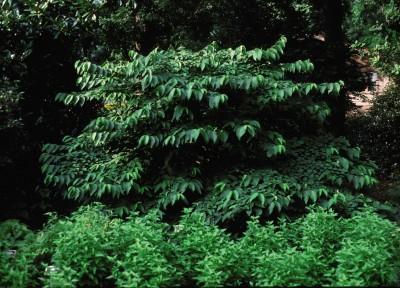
x,y
198,143
91,248
380,134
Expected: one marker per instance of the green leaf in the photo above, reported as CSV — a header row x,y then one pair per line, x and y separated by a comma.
x,y
308,89
195,134
271,207
344,163
240,131
261,197
253,196
336,88
313,195
203,65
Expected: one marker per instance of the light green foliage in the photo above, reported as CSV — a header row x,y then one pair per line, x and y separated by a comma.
x,y
151,267
178,123
365,262
203,251
84,242
144,247
91,248
14,268
93,243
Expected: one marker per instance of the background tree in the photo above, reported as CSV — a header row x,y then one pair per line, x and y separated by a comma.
x,y
373,29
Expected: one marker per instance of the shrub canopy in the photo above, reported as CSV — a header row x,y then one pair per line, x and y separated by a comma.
x,y
231,130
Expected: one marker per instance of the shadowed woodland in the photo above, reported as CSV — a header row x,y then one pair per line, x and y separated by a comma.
x,y
199,143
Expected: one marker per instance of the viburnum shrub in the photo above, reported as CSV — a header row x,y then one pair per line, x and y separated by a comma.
x,y
92,248
228,131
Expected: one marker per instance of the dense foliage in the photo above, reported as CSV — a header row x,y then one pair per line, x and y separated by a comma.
x,y
42,39
194,23
227,124
374,26
377,132
93,249
215,166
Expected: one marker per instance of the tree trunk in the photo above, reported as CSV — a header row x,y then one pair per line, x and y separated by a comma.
x,y
331,17
335,38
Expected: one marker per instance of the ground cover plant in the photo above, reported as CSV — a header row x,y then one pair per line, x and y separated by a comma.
x,y
93,248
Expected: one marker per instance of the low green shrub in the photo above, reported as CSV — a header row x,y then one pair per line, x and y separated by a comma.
x,y
91,248
365,258
13,265
141,253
